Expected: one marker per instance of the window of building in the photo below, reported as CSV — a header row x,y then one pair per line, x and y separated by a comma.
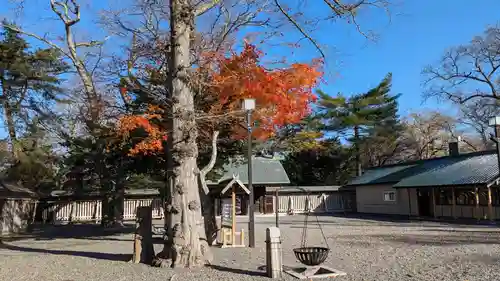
x,y
465,197
444,196
389,196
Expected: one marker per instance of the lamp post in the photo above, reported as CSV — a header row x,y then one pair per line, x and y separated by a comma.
x,y
495,123
249,106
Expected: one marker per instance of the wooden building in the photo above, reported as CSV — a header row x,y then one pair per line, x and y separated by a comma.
x,y
454,186
17,207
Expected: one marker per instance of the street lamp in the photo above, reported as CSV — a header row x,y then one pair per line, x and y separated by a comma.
x,y
249,106
495,123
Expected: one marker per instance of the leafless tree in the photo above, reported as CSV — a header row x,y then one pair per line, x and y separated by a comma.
x,y
468,71
475,115
428,134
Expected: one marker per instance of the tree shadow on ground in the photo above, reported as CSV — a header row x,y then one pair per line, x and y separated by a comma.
x,y
358,219
439,240
73,231
94,255
156,240
484,231
238,270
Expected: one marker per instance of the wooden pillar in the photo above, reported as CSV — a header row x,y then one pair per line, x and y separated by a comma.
x,y
453,203
409,202
433,190
143,238
477,203
490,206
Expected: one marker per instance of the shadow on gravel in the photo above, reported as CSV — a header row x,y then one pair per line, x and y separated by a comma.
x,y
237,270
74,231
404,219
484,231
440,240
156,240
93,255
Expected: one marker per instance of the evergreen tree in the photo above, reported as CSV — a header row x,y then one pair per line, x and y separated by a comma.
x,y
29,80
360,115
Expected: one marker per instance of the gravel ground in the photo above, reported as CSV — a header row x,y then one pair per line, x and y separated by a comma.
x,y
364,249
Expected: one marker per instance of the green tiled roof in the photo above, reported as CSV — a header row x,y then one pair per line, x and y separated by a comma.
x,y
265,171
465,169
478,169
376,175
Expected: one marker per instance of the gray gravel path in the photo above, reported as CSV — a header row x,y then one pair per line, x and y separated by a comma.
x,y
364,249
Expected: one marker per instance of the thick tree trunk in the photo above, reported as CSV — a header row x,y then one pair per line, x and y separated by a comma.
x,y
186,245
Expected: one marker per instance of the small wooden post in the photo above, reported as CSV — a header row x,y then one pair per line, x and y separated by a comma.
x,y
490,207
233,230
477,203
453,203
143,238
433,202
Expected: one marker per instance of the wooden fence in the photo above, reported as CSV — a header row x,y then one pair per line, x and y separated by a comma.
x,y
316,203
91,210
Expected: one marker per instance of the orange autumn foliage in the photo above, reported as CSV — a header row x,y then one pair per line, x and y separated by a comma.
x,y
283,96
155,135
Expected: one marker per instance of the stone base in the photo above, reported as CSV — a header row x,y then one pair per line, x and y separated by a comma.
x,y
311,272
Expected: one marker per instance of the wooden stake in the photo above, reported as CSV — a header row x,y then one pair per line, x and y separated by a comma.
x,y
143,238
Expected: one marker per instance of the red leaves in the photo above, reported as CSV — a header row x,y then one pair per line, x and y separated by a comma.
x,y
283,96
154,141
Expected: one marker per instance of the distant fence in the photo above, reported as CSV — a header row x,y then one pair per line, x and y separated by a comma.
x,y
91,210
316,203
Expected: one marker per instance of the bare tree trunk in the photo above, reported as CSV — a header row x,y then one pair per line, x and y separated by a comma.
x,y
208,202
186,245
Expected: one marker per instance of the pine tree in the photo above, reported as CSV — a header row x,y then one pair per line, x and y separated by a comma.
x,y
29,80
360,115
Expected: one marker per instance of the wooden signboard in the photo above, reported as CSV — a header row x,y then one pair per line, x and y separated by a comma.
x,y
227,213
230,207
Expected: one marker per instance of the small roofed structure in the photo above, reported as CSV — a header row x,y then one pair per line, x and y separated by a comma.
x,y
17,206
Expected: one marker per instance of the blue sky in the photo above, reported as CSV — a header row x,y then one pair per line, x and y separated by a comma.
x,y
418,34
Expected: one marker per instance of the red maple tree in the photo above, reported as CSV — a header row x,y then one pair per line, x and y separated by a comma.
x,y
283,96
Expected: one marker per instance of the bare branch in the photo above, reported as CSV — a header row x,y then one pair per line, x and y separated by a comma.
x,y
467,72
299,28
211,163
206,7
